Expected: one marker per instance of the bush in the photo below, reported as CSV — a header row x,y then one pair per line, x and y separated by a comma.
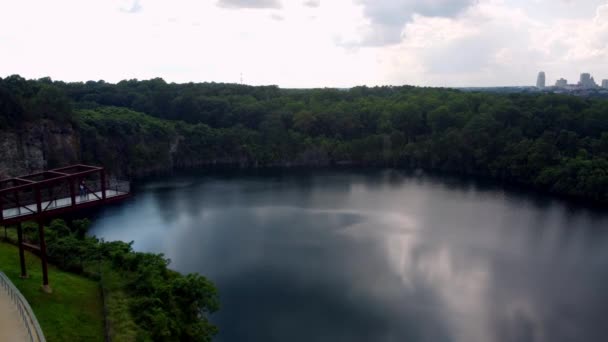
x,y
163,303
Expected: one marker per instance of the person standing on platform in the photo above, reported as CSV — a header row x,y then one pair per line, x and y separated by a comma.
x,y
82,190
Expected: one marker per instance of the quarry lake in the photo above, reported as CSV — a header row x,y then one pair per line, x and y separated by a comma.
x,y
376,255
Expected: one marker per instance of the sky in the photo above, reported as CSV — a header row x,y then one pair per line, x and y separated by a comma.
x,y
306,43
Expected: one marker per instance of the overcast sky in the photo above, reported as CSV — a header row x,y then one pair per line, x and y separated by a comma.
x,y
306,43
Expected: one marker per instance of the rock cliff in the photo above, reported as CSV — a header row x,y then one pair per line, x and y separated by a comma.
x,y
37,146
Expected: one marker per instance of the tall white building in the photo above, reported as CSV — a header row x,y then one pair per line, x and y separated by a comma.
x,y
540,80
587,81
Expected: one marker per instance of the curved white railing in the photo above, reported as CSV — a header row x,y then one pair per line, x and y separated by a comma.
x,y
23,307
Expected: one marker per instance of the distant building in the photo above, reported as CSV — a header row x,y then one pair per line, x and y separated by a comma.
x,y
605,84
540,80
561,83
587,81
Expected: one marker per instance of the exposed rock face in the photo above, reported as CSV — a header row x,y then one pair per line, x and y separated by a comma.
x,y
37,146
47,144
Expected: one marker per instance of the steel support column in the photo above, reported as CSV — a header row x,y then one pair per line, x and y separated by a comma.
x,y
45,270
21,251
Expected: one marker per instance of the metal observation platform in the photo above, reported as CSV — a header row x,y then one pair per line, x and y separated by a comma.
x,y
45,195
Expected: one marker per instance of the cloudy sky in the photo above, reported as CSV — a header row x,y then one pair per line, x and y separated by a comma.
x,y
306,43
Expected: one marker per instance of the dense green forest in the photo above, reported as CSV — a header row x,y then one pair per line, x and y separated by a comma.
x,y
550,142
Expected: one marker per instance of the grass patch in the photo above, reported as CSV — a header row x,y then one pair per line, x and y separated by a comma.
x,y
121,325
73,312
144,299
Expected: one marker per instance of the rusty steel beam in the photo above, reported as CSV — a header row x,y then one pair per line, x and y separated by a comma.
x,y
14,179
59,179
17,188
6,180
47,182
24,180
32,175
18,183
58,173
81,166
23,183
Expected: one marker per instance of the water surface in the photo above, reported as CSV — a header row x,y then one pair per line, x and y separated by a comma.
x,y
376,255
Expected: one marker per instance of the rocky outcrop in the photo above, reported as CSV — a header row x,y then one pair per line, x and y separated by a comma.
x,y
47,144
37,146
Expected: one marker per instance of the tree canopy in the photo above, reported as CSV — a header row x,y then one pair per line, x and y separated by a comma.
x,y
553,142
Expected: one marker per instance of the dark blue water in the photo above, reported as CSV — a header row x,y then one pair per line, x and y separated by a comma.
x,y
376,255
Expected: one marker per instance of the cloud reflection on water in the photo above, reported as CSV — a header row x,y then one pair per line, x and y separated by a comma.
x,y
378,257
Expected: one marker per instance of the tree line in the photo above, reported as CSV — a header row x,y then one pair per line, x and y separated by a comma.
x,y
551,142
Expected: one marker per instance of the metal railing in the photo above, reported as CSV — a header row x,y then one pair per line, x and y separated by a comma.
x,y
60,197
23,307
120,186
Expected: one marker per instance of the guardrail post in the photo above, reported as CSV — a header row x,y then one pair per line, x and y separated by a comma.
x,y
17,202
21,251
38,200
72,191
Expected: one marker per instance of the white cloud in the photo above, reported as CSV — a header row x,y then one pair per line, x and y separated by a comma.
x,y
249,3
578,41
133,7
492,42
387,17
312,3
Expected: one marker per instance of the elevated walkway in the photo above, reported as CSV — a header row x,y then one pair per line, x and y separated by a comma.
x,y
48,194
56,205
17,320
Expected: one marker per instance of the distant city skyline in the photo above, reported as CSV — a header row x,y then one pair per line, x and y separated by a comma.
x,y
585,81
306,43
